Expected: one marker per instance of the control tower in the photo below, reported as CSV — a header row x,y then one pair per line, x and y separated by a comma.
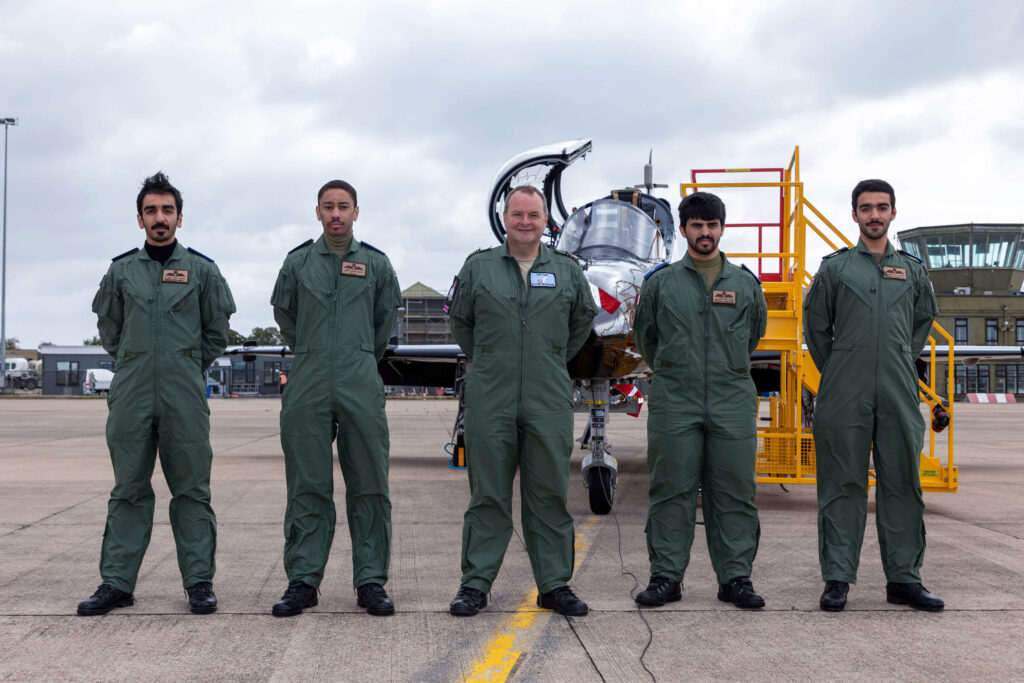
x,y
977,270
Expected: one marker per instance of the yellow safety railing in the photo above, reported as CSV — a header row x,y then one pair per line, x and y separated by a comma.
x,y
785,452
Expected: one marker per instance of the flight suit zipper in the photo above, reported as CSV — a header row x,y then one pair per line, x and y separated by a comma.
x,y
335,317
878,318
702,287
524,299
157,312
707,339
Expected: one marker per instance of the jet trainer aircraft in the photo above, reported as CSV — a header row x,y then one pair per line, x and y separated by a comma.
x,y
618,239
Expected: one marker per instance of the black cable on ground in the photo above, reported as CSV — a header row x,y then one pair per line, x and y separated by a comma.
x,y
632,595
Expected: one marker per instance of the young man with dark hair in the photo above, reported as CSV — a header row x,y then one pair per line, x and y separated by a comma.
x,y
696,324
335,301
867,317
163,315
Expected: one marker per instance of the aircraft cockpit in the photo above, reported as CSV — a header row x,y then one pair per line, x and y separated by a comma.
x,y
613,229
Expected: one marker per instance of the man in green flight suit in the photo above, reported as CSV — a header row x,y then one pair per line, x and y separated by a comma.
x,y
163,315
519,312
335,301
697,322
867,317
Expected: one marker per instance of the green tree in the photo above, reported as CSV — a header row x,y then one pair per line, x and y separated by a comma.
x,y
93,341
265,336
12,343
269,336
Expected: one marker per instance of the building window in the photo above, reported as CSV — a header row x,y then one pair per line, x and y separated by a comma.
x,y
960,386
240,369
1013,373
972,380
106,365
67,373
1000,379
960,331
983,379
272,373
1020,332
991,332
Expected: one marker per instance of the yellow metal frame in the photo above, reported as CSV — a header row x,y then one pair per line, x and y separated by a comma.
x,y
785,448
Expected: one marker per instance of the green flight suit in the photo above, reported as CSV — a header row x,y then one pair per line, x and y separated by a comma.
x,y
519,406
164,324
337,316
702,419
864,324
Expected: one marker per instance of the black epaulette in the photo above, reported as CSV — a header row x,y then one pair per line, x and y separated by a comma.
x,y
372,248
127,253
304,244
751,273
569,254
197,253
478,251
907,253
655,269
837,251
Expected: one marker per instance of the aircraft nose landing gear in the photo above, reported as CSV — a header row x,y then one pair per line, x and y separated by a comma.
x,y
600,468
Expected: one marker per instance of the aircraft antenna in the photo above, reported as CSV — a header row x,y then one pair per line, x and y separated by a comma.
x,y
649,183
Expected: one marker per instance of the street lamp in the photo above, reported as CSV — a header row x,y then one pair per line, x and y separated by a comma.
x,y
8,122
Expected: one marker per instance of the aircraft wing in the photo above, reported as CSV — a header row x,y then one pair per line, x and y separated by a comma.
x,y
976,353
417,365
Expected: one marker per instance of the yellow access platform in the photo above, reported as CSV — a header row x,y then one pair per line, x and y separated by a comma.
x,y
785,447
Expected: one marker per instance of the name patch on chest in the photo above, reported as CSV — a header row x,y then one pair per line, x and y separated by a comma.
x,y
542,279
723,296
177,276
353,269
894,273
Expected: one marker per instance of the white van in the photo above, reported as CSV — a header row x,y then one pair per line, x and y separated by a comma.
x,y
97,381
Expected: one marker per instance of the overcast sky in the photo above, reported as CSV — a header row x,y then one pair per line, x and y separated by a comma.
x,y
250,107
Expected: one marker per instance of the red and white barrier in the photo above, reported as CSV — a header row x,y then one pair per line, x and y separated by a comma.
x,y
991,398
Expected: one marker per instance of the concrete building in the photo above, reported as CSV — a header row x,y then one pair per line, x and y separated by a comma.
x,y
977,271
65,367
422,319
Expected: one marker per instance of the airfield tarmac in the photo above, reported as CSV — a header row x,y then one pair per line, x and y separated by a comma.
x,y
55,477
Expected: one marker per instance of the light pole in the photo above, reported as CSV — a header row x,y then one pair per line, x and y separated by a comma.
x,y
8,122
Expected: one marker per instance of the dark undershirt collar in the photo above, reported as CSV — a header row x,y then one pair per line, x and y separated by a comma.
x,y
161,253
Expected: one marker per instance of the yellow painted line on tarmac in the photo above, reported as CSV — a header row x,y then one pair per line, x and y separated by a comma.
x,y
498,657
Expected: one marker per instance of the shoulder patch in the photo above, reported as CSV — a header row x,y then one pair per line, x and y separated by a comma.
x,y
127,253
909,255
744,267
372,248
655,269
304,244
193,251
451,294
836,252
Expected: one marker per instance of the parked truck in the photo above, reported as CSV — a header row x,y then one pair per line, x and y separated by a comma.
x,y
21,373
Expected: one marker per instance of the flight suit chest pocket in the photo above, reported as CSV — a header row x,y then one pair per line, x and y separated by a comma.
x,y
135,296
554,301
735,329
896,291
352,288
183,300
312,291
491,299
854,290
680,331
